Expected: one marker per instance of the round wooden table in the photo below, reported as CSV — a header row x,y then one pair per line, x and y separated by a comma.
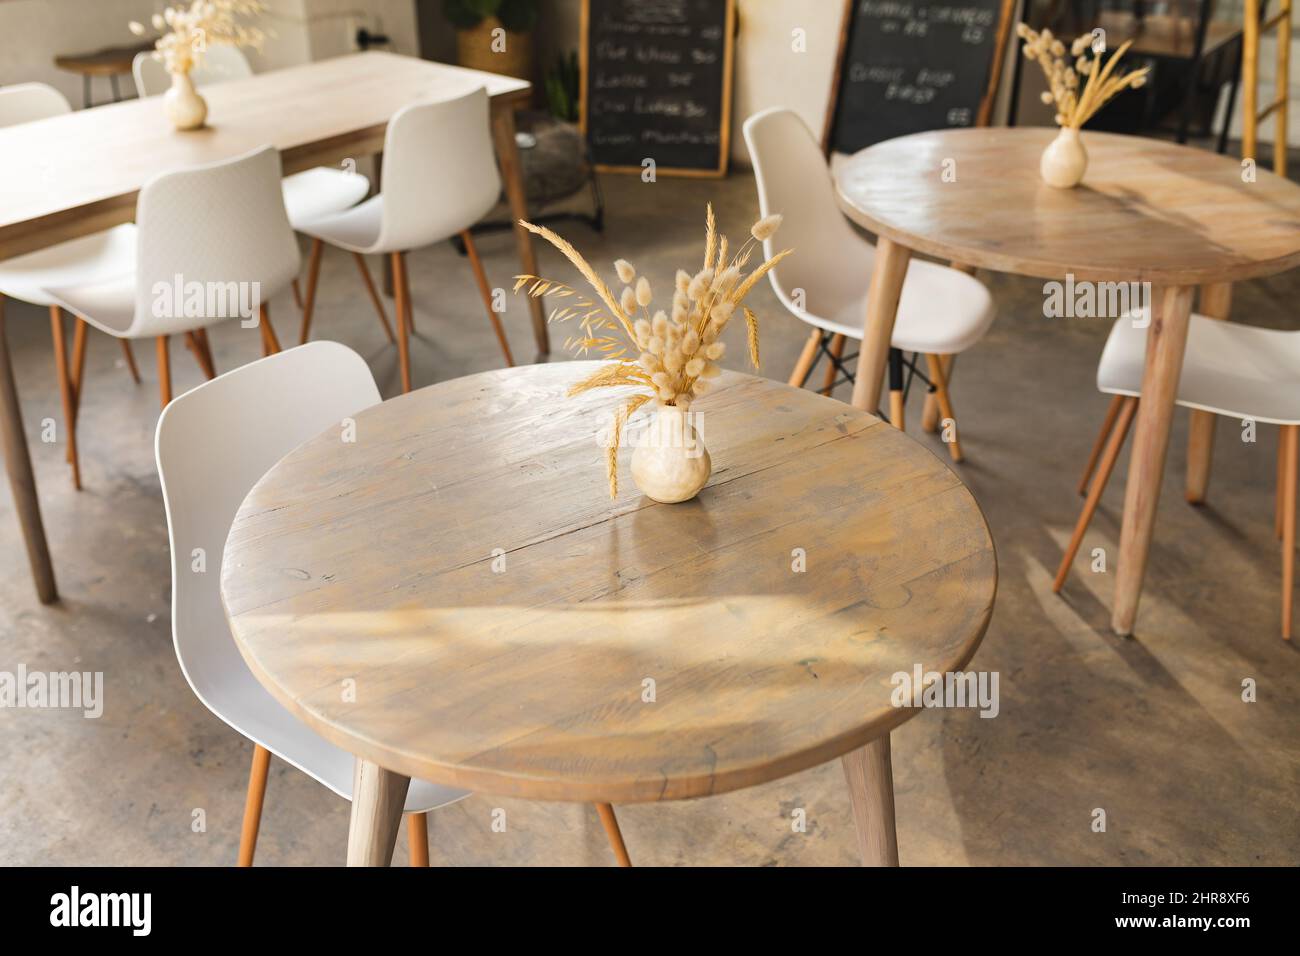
x,y
1147,211
512,630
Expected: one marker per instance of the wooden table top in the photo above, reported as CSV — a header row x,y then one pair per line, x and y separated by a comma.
x,y
109,61
81,172
1146,210
373,562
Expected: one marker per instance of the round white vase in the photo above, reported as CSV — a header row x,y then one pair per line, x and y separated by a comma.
x,y
185,108
670,463
1064,161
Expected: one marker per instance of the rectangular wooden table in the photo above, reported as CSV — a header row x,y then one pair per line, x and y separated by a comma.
x,y
72,175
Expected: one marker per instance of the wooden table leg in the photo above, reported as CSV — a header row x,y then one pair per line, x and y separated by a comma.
x,y
871,792
878,326
1166,341
1216,303
22,483
378,796
503,135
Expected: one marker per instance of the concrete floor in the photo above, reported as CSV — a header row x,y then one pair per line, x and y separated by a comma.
x,y
1151,729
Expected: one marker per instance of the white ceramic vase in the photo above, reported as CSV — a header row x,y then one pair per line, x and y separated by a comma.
x,y
670,463
1064,161
185,108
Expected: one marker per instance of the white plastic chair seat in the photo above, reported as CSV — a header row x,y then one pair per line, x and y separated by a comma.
x,y
356,229
208,458
318,192
941,311
1230,369
104,255
107,303
222,223
307,195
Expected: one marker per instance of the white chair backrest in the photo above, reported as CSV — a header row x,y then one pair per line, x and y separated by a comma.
x,y
223,226
217,63
440,172
795,181
212,445
25,102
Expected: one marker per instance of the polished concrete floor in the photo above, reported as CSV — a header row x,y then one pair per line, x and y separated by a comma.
x,y
1153,730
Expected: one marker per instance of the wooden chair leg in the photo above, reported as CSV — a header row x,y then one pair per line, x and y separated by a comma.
x,y
615,835
837,350
374,295
130,360
897,391
66,391
1281,481
309,301
402,293
806,358
77,372
297,294
164,371
1114,443
930,411
485,291
201,356
1107,424
253,804
896,409
270,344
417,835
945,402
1291,441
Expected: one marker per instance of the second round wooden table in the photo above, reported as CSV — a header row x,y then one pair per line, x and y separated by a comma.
x,y
512,630
1147,211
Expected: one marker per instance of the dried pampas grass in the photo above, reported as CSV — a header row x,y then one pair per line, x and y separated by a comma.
x,y
669,357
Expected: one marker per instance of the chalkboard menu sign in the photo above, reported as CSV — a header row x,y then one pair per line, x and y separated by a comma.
x,y
907,66
656,84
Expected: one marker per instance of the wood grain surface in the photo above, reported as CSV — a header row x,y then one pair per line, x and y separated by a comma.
x,y
373,562
73,174
1146,210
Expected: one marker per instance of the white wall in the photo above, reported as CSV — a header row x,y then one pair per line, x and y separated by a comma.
x,y
769,71
33,32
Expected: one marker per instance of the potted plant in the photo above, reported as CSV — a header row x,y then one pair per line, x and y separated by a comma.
x,y
494,35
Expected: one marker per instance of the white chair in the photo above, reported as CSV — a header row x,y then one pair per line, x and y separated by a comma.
x,y
1239,371
208,459
219,229
23,277
216,64
942,311
309,194
440,177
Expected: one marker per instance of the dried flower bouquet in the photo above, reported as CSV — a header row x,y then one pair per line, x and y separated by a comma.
x,y
1074,107
669,354
188,30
